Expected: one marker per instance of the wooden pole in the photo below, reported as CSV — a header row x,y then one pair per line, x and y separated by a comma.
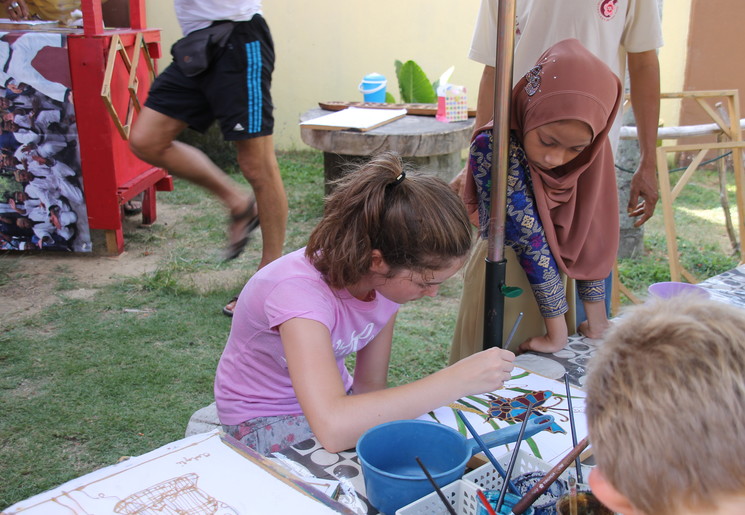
x,y
496,264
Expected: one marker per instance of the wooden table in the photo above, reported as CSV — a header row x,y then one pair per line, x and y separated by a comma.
x,y
421,140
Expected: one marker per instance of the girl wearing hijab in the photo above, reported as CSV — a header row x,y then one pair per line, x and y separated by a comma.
x,y
562,203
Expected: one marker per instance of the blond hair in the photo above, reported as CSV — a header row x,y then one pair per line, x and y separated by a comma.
x,y
415,220
666,404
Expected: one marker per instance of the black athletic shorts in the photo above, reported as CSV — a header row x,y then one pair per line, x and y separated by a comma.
x,y
235,89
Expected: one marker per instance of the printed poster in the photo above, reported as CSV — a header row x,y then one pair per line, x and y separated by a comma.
x,y
42,205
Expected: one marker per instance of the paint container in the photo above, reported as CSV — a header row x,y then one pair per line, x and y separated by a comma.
x,y
388,452
546,503
587,503
509,501
669,289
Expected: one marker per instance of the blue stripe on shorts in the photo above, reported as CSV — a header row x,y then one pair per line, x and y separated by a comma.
x,y
253,87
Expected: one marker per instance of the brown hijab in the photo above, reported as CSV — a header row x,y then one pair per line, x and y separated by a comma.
x,y
577,202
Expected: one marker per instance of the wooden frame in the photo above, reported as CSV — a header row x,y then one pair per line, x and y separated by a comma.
x,y
117,49
727,127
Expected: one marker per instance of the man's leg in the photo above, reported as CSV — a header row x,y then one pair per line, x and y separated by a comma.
x,y
258,162
153,139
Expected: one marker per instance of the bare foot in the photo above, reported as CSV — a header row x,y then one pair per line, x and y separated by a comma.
x,y
594,331
542,344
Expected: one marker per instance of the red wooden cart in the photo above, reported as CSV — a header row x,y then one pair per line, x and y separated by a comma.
x,y
111,72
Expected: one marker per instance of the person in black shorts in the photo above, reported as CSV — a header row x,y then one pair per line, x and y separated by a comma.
x,y
234,89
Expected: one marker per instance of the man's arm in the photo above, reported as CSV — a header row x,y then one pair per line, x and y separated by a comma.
x,y
644,78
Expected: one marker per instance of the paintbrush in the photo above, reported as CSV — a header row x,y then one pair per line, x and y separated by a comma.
x,y
513,331
577,462
513,458
541,486
488,453
572,496
444,499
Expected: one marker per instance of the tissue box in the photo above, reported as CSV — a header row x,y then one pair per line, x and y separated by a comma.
x,y
452,104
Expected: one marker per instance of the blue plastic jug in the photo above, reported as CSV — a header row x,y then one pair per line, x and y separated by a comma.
x,y
372,87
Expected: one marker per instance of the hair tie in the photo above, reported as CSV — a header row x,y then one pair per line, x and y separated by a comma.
x,y
399,179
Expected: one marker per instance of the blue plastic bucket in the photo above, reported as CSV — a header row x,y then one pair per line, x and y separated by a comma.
x,y
372,87
388,452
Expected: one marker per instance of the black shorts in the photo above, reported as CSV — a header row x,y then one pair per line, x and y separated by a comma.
x,y
235,89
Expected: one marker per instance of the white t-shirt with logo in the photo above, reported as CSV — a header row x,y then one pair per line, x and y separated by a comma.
x,y
608,28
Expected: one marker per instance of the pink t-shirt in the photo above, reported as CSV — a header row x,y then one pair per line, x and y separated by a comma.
x,y
252,379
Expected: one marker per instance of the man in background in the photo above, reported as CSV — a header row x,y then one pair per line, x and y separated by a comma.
x,y
233,88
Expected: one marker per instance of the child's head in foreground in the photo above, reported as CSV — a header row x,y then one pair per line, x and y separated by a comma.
x,y
666,409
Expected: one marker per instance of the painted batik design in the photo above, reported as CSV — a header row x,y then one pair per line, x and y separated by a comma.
x,y
508,406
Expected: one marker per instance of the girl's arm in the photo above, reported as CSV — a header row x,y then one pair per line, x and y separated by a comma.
x,y
338,419
371,366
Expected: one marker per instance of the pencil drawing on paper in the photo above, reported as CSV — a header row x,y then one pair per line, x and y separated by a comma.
x,y
174,496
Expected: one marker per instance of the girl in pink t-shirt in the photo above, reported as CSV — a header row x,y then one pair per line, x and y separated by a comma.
x,y
387,237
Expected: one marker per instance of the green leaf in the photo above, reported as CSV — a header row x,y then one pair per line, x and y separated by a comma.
x,y
389,98
414,85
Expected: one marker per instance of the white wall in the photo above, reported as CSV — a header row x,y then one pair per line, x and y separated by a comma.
x,y
325,47
675,14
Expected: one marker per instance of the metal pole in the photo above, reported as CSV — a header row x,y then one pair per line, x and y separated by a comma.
x,y
496,264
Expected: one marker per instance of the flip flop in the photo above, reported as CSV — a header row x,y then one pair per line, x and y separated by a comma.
x,y
132,207
229,312
235,248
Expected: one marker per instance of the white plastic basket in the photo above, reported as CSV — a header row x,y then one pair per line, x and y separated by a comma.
x,y
463,496
487,478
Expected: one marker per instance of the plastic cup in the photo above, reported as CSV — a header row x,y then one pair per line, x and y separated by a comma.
x,y
667,290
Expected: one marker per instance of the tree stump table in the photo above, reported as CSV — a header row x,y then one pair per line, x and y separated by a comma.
x,y
422,141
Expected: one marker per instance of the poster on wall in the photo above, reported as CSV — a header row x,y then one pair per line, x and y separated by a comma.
x,y
42,205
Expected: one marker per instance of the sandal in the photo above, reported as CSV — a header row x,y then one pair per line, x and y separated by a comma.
x,y
227,310
132,208
251,222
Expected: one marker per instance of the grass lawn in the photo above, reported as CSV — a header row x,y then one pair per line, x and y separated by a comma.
x,y
90,380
